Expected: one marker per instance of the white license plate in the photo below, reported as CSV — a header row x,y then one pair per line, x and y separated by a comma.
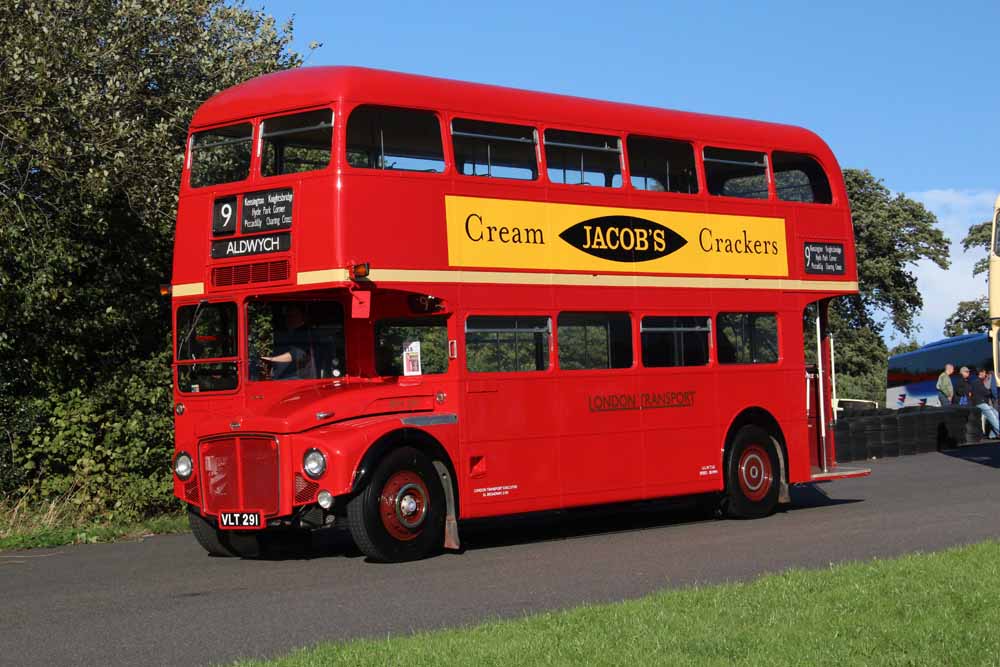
x,y
250,520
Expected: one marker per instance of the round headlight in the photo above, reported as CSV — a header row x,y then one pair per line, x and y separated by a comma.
x,y
183,466
314,463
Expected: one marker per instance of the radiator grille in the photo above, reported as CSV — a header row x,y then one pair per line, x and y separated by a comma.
x,y
246,274
305,490
240,474
191,491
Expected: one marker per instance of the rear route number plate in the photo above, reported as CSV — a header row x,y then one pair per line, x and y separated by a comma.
x,y
251,520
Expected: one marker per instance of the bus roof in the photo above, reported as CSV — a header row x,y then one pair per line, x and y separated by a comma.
x,y
311,86
943,343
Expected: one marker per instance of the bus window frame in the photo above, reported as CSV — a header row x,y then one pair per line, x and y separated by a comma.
x,y
254,122
257,158
578,187
239,360
834,201
695,151
340,132
772,196
475,375
452,117
634,366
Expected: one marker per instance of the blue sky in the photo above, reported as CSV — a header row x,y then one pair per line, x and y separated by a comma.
x,y
909,90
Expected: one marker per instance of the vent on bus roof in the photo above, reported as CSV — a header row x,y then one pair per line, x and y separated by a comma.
x,y
244,274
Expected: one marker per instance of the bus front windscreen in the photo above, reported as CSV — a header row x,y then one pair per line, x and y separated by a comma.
x,y
206,347
295,339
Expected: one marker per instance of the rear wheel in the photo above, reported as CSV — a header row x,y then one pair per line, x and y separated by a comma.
x,y
399,514
753,476
221,543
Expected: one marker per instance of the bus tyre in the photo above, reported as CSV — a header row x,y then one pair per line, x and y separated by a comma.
x,y
399,514
220,543
752,474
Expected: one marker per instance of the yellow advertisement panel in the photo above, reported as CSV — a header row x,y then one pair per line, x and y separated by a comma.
x,y
511,234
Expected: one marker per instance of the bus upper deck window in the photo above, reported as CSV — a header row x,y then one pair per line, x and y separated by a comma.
x,y
297,143
221,155
496,150
661,165
735,173
579,158
798,177
393,138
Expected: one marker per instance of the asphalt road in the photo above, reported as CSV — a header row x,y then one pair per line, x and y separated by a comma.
x,y
163,601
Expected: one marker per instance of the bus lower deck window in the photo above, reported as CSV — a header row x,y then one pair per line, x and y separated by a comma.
x,y
675,341
747,338
507,344
594,340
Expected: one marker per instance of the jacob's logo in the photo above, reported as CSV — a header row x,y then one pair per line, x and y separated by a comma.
x,y
623,238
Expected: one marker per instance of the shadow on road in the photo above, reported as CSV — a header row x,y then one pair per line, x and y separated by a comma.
x,y
987,455
558,525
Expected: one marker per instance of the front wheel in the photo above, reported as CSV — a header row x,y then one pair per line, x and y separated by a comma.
x,y
222,543
753,474
399,514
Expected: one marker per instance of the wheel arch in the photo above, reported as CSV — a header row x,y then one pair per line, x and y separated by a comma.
x,y
761,418
430,446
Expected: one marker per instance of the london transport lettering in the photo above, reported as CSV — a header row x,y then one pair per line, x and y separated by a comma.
x,y
493,233
644,401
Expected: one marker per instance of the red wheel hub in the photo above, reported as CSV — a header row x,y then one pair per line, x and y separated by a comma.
x,y
403,505
755,474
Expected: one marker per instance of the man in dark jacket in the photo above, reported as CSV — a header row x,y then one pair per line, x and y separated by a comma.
x,y
980,395
962,386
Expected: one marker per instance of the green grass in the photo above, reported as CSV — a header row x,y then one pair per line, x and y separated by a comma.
x,y
27,525
936,609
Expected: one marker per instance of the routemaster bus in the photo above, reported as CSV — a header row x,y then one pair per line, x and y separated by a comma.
x,y
400,302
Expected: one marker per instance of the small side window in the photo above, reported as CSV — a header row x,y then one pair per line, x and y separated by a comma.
x,y
297,143
996,231
733,173
507,344
579,158
393,138
496,150
661,165
747,338
675,341
221,155
798,177
394,341
594,340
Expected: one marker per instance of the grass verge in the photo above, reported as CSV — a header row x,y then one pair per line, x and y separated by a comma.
x,y
920,609
25,525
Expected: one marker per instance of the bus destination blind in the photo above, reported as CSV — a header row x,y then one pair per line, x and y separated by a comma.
x,y
251,245
824,258
266,211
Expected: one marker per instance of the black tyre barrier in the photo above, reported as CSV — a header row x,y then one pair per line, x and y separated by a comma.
x,y
842,442
859,441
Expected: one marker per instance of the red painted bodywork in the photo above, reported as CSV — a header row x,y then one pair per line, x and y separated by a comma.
x,y
522,441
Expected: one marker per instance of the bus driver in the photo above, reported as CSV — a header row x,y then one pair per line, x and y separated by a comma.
x,y
292,359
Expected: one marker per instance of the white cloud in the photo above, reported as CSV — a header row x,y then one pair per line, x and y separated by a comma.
x,y
956,211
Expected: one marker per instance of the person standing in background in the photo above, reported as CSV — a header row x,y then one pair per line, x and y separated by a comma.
x,y
945,389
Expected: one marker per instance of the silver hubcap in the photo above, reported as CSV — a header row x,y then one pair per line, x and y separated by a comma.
x,y
407,506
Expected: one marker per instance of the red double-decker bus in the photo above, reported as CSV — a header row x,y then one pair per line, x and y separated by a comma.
x,y
400,302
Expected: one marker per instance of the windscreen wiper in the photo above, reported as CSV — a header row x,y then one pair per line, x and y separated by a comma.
x,y
194,323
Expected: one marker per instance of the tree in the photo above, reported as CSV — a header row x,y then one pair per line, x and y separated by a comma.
x,y
95,98
892,233
979,238
969,317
